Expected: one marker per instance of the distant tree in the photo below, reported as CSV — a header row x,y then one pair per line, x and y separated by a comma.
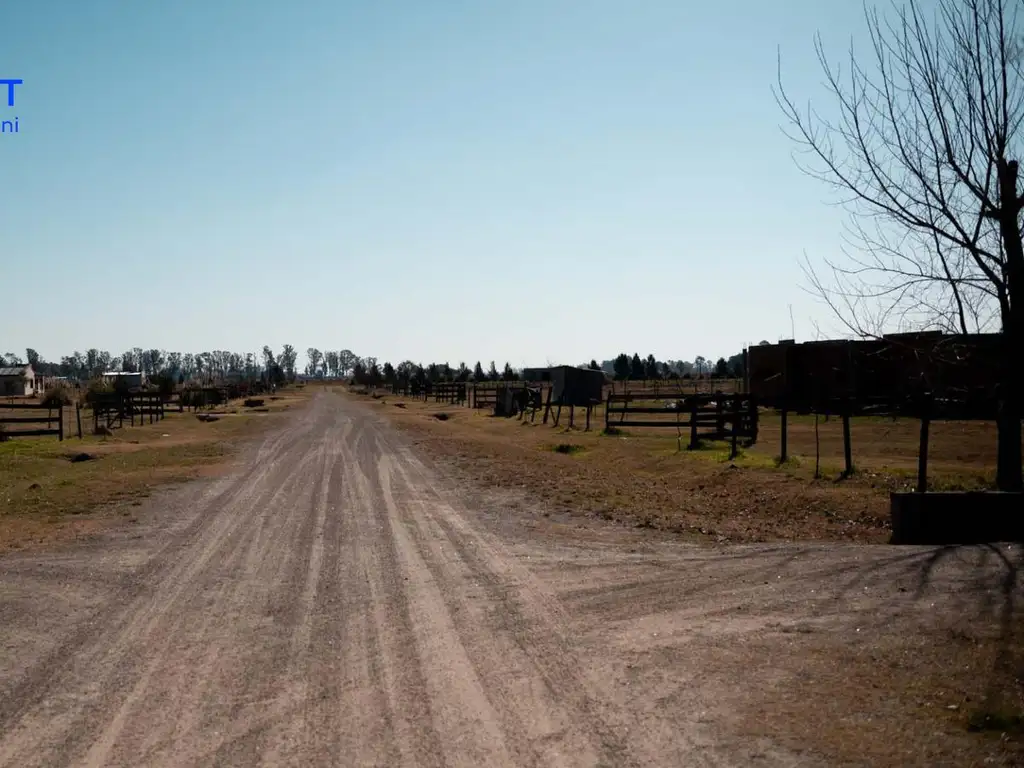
x,y
374,374
492,372
622,367
129,364
359,373
331,359
736,369
651,368
478,372
721,368
389,373
445,372
636,368
508,374
314,356
288,358
433,372
462,374
594,366
92,363
33,358
404,370
276,375
346,361
700,363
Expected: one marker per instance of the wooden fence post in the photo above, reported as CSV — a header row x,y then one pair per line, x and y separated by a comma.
x,y
847,448
922,456
735,425
78,418
607,408
693,423
784,448
60,422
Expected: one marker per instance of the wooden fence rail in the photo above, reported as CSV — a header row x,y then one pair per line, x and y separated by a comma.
x,y
32,419
114,407
485,394
706,416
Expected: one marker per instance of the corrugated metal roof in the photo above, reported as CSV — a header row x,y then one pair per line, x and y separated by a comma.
x,y
15,371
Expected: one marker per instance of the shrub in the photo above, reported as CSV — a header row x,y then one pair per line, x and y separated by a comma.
x,y
56,396
568,448
164,383
97,386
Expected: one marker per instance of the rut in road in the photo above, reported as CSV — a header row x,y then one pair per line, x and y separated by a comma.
x,y
331,602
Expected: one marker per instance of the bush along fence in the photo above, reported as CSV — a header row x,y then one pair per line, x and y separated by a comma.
x,y
20,420
706,417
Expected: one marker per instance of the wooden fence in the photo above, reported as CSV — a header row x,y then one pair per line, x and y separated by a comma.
x,y
717,416
23,422
114,407
485,393
452,392
968,405
670,387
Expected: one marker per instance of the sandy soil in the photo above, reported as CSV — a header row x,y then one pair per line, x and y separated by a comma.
x,y
339,600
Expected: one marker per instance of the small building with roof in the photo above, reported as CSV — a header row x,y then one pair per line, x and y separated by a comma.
x,y
18,381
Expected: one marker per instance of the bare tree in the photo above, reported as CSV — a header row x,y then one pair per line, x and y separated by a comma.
x,y
923,147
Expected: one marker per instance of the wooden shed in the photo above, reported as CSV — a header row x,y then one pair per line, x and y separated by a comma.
x,y
576,386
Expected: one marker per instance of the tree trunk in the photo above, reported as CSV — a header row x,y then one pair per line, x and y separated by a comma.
x,y
1008,464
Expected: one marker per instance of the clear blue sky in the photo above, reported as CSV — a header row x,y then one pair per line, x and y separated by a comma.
x,y
447,180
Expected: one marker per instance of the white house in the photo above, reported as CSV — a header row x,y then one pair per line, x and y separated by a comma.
x,y
18,381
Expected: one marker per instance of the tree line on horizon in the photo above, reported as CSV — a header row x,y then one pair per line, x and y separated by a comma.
x,y
218,365
178,367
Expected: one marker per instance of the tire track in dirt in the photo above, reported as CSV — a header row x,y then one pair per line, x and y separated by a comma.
x,y
538,631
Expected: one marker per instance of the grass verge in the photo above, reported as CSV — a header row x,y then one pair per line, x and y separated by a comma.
x,y
45,495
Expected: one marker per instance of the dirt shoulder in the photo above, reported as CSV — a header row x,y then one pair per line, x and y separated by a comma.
x,y
47,494
648,481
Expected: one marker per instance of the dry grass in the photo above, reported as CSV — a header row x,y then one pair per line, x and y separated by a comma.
x,y
46,496
648,477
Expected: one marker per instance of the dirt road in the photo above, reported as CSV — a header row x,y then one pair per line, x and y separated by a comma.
x,y
335,601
